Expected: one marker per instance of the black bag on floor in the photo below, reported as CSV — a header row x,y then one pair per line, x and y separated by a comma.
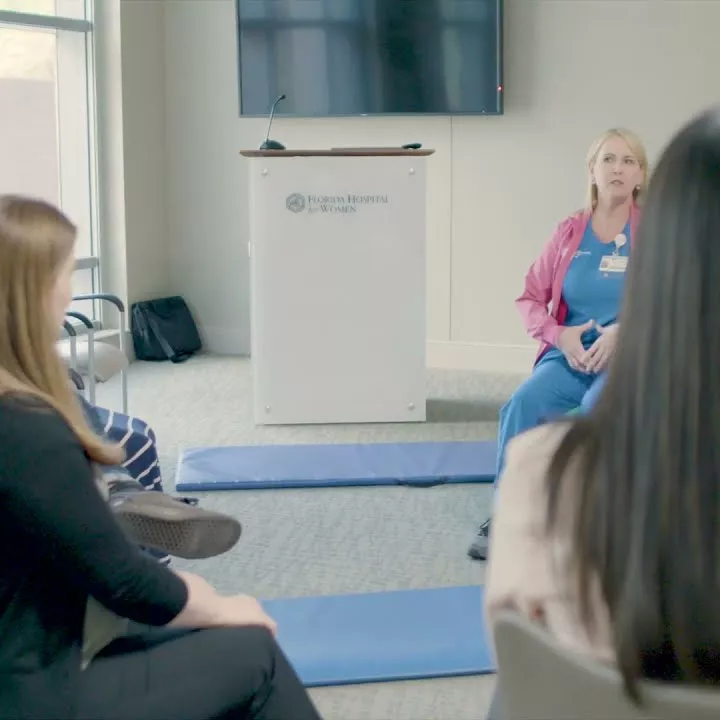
x,y
164,329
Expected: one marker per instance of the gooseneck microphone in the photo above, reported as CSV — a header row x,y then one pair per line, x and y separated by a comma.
x,y
269,144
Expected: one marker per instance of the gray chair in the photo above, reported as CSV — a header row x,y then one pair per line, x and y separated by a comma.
x,y
540,680
73,349
93,360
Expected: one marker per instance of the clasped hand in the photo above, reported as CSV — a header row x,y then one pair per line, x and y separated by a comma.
x,y
596,358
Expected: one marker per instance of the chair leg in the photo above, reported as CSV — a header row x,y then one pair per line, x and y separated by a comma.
x,y
495,711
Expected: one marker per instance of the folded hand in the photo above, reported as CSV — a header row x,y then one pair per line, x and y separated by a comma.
x,y
596,358
570,342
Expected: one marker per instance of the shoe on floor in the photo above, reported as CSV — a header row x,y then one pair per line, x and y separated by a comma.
x,y
479,549
159,521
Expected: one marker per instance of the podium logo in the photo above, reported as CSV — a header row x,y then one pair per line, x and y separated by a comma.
x,y
295,202
333,204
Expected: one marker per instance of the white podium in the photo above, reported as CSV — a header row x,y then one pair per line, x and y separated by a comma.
x,y
337,248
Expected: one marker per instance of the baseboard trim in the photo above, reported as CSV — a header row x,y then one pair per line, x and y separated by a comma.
x,y
442,354
482,357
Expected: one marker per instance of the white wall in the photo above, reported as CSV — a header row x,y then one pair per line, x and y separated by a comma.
x,y
143,69
497,186
206,184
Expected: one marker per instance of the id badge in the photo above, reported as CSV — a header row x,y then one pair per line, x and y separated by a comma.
x,y
614,263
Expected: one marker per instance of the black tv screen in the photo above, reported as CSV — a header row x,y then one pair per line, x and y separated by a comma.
x,y
370,57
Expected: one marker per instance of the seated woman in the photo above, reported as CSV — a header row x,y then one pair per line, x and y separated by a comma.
x,y
221,660
572,295
606,529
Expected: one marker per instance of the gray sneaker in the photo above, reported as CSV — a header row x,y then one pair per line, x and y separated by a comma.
x,y
159,521
479,549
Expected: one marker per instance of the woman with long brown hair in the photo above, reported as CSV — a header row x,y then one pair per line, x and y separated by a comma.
x,y
222,661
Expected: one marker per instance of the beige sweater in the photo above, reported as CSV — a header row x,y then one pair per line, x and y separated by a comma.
x,y
528,571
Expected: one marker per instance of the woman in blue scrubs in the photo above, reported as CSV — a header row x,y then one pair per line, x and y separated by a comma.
x,y
579,341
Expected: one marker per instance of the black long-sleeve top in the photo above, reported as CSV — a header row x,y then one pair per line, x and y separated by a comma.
x,y
59,544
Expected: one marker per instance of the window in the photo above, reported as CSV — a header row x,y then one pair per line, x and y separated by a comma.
x,y
75,9
47,102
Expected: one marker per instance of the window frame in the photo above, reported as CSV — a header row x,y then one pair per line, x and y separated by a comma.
x,y
78,19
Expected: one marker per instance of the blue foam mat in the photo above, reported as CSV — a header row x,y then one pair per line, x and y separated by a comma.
x,y
294,466
384,636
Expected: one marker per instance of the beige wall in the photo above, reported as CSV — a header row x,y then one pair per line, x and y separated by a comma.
x,y
143,98
496,185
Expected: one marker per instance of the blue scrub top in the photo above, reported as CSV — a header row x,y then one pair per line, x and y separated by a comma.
x,y
591,293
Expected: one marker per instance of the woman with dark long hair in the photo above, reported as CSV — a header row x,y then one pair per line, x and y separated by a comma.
x,y
607,528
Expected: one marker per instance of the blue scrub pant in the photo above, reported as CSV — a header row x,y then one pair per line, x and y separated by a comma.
x,y
592,395
552,390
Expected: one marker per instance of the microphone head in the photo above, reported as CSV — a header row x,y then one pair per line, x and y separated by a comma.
x,y
272,145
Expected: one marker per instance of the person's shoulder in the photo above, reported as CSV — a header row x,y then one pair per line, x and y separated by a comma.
x,y
28,419
537,446
527,459
572,223
15,405
577,216
566,231
522,500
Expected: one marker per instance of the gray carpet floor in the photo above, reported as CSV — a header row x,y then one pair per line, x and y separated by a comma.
x,y
311,542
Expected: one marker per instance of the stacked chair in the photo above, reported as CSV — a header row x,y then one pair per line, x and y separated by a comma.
x,y
92,361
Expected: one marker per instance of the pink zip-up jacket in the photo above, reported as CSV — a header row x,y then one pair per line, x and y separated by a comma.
x,y
541,304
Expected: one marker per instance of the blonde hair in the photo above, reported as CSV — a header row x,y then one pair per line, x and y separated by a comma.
x,y
638,150
36,239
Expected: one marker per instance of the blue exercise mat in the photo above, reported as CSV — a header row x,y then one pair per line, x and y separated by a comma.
x,y
296,466
383,636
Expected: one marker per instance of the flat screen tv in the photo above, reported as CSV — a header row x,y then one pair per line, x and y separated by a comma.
x,y
370,57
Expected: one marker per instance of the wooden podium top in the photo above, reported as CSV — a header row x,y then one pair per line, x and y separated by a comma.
x,y
338,152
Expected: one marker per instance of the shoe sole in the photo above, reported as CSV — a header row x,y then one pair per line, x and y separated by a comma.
x,y
475,555
179,531
478,552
